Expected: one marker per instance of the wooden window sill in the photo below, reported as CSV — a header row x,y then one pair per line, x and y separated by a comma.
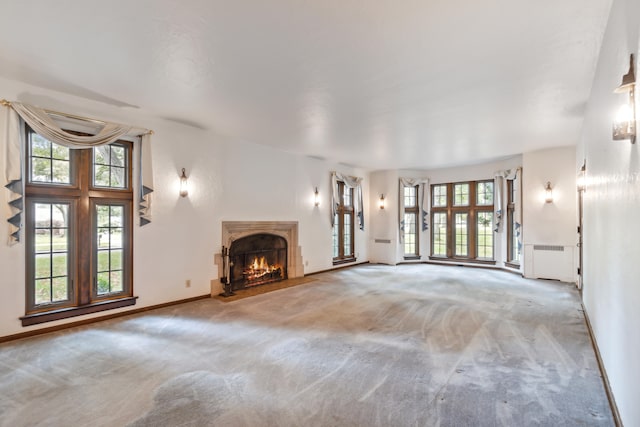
x,y
343,261
64,313
462,260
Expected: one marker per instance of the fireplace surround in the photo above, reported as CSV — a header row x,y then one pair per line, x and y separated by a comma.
x,y
233,231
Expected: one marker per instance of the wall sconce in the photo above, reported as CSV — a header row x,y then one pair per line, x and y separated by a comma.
x,y
548,193
581,180
316,198
624,126
184,184
381,202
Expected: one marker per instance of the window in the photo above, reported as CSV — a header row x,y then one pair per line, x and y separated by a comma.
x,y
410,237
462,221
79,207
513,255
343,229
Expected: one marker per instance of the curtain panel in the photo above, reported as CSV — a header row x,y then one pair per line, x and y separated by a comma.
x,y
423,202
350,182
12,131
500,179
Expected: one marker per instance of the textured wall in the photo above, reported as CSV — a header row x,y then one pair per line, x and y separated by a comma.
x,y
612,202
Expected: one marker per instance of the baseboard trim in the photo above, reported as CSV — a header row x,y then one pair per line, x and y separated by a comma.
x,y
603,371
97,319
337,268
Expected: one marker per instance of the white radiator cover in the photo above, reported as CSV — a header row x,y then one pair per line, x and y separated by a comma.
x,y
550,262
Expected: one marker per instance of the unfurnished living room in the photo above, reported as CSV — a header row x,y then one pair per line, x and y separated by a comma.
x,y
278,213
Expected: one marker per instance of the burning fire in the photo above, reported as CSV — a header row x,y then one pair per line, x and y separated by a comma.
x,y
260,268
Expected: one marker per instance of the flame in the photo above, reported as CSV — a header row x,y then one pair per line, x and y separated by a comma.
x,y
258,268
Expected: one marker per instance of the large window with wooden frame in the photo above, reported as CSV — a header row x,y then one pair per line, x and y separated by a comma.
x,y
343,229
78,233
462,221
513,255
410,237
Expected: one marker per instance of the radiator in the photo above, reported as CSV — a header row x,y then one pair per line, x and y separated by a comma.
x,y
550,262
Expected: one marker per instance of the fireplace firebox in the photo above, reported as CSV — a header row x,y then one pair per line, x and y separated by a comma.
x,y
257,259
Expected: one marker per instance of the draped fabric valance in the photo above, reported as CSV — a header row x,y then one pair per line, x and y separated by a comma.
x,y
423,202
500,178
350,182
41,122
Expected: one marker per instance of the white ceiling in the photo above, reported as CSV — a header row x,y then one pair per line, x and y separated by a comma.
x,y
378,84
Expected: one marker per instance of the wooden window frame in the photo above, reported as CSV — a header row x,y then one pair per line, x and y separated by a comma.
x,y
471,209
413,210
341,211
82,194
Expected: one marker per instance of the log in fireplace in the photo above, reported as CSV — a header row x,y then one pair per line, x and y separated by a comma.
x,y
257,259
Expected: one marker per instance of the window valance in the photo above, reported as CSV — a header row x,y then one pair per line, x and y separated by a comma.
x,y
13,139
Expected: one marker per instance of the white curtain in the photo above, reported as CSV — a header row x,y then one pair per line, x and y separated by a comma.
x,y
354,183
423,202
12,136
42,123
500,178
145,179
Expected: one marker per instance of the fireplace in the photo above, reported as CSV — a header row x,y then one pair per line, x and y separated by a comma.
x,y
275,241
256,260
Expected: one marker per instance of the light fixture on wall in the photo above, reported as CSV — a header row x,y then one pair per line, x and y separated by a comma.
x,y
316,198
581,180
624,126
548,193
381,202
184,184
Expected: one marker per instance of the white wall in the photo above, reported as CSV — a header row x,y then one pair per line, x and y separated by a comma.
x,y
384,222
550,223
229,180
611,289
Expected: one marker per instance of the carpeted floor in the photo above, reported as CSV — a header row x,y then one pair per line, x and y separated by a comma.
x,y
415,345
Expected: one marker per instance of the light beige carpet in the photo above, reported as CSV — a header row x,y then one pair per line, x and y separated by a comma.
x,y
416,345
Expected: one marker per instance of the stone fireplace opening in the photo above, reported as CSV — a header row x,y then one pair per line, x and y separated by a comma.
x,y
256,260
249,269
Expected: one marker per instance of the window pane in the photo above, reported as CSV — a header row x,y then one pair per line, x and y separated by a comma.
x,y
59,289
40,147
49,162
116,281
110,166
461,235
336,239
49,265
461,194
484,193
43,266
109,254
43,291
101,175
40,170
117,156
117,177
439,195
410,235
484,233
347,235
102,283
439,234
347,196
410,197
